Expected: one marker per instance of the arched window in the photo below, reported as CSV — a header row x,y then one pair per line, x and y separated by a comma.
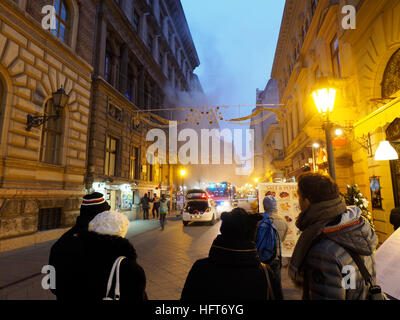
x,y
391,76
51,144
63,21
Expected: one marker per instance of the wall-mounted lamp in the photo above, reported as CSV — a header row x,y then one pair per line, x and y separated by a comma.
x,y
365,142
60,99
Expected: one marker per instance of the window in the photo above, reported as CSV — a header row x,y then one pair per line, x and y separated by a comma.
x,y
108,67
62,21
150,40
314,4
136,152
130,85
391,76
335,57
115,112
51,144
49,218
111,156
136,21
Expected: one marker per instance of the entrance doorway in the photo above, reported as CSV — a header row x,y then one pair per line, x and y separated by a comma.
x,y
393,135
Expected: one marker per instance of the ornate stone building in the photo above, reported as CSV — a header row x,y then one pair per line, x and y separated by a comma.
x,y
42,170
144,56
363,65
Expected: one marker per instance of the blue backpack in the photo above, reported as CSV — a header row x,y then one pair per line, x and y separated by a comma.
x,y
267,241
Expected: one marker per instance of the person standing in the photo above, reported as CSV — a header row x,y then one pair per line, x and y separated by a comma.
x,y
271,232
395,218
67,252
164,209
332,234
145,202
156,206
232,270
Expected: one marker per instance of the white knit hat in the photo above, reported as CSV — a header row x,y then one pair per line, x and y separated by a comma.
x,y
110,222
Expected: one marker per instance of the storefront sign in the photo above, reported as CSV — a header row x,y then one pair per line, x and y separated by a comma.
x,y
288,207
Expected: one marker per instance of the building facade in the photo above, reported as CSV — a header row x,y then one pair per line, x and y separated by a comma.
x,y
261,123
42,169
144,58
362,64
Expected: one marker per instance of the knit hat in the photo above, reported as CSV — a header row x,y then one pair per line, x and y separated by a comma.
x,y
112,223
93,204
269,203
239,225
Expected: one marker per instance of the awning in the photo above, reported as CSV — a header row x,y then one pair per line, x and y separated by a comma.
x,y
378,118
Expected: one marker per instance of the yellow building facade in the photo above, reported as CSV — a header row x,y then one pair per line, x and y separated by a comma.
x,y
362,64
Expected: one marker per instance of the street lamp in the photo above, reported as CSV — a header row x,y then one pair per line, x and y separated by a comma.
x,y
314,146
60,99
324,100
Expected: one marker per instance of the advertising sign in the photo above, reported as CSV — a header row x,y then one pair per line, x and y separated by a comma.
x,y
287,206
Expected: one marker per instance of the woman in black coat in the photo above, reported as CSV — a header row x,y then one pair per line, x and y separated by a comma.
x,y
233,269
84,262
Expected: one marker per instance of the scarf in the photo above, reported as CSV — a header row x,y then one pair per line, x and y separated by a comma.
x,y
312,222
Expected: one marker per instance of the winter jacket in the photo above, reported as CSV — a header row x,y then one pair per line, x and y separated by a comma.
x,y
83,263
395,218
227,274
164,206
279,223
145,201
326,259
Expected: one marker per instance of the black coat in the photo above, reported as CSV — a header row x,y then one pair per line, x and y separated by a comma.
x,y
227,274
395,218
83,262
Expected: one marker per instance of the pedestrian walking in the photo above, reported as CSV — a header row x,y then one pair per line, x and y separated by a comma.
x,y
156,206
334,238
82,259
395,217
233,270
145,202
164,209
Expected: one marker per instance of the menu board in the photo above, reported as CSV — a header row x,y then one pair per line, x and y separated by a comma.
x,y
288,207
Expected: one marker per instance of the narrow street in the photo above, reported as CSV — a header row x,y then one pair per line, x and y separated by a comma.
x,y
166,256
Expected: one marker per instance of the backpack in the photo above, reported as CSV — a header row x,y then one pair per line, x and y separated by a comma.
x,y
267,241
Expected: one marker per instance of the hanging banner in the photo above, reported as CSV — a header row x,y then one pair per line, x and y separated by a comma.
x,y
287,204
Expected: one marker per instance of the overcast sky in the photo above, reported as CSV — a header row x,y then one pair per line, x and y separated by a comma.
x,y
235,41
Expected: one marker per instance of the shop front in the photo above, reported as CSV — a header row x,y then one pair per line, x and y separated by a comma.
x,y
382,129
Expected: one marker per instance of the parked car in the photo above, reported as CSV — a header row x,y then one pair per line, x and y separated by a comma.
x,y
199,207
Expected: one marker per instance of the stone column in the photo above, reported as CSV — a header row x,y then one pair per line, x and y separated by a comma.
x,y
101,46
143,27
165,27
165,64
156,54
141,89
123,74
156,9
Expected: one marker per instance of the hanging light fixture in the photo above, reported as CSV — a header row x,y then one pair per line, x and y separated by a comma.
x,y
385,151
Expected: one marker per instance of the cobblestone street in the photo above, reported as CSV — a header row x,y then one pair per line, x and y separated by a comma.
x,y
166,257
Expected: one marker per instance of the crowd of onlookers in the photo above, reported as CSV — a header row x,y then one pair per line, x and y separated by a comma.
x,y
244,260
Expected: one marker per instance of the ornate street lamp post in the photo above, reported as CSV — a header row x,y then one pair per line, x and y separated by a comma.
x,y
324,100
60,99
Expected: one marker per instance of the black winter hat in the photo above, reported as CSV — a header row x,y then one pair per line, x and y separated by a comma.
x,y
239,225
93,204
